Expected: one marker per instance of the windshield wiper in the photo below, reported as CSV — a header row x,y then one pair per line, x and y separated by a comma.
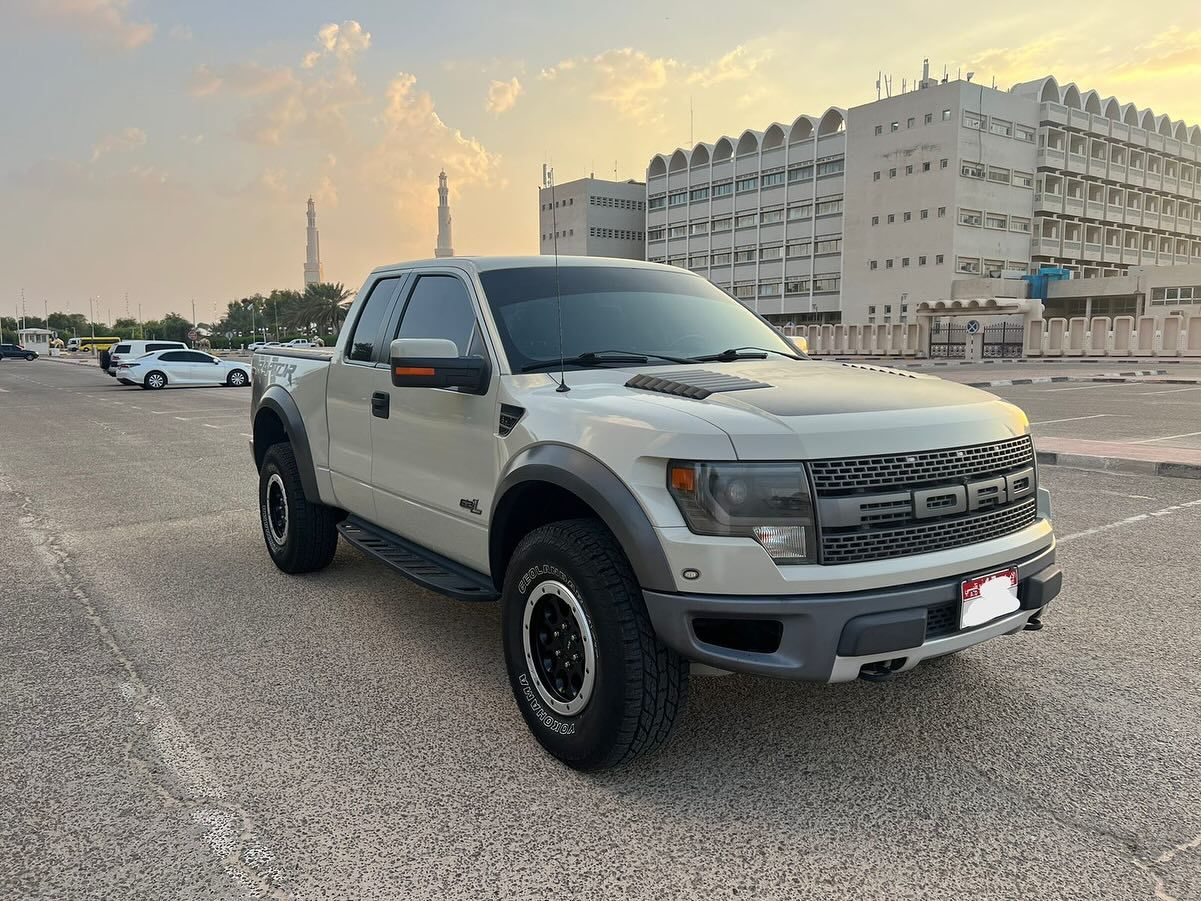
x,y
737,353
603,357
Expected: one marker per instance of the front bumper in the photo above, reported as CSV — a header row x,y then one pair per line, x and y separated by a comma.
x,y
830,637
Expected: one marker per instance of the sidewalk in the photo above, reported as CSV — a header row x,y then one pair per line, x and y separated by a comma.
x,y
1115,456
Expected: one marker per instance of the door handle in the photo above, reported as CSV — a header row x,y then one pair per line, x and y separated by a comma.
x,y
379,404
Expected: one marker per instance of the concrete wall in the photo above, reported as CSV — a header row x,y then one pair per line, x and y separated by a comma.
x,y
595,218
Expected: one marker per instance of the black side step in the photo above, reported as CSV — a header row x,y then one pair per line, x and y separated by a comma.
x,y
427,569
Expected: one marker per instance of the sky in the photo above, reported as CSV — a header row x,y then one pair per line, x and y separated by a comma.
x,y
164,149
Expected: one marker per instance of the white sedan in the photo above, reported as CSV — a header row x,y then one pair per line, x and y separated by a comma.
x,y
172,368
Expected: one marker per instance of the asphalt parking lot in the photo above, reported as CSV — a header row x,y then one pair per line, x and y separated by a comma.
x,y
183,721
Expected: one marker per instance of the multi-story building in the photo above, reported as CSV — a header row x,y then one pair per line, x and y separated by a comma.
x,y
760,215
865,213
593,217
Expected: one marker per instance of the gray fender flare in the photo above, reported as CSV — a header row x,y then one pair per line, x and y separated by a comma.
x,y
281,403
600,488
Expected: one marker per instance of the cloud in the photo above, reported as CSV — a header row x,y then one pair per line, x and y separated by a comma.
x,y
243,79
124,140
1174,52
502,95
102,20
180,33
739,64
343,42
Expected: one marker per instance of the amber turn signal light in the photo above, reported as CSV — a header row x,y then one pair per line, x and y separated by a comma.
x,y
683,478
414,370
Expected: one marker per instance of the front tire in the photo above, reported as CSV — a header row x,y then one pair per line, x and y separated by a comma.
x,y
237,379
155,380
31,357
301,536
594,683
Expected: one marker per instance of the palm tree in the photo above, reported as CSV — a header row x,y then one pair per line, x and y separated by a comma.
x,y
322,306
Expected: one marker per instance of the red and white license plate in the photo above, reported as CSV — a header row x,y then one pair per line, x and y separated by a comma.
x,y
987,597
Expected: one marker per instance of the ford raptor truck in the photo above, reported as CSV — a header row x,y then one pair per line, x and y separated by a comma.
x,y
652,482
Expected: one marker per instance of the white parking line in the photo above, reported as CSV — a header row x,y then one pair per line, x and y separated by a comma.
x,y
1072,418
244,435
1164,438
182,419
207,426
1088,387
1129,521
1171,390
5,390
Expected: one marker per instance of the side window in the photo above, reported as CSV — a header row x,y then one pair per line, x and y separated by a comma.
x,y
177,356
151,348
121,349
439,307
366,329
193,356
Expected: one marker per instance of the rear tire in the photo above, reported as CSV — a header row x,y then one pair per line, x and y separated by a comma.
x,y
155,380
237,379
31,357
301,536
571,600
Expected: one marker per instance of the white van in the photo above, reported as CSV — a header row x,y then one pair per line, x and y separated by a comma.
x,y
127,350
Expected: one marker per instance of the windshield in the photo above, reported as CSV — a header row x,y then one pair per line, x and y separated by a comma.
x,y
635,311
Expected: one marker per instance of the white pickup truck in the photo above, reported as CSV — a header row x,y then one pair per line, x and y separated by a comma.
x,y
652,482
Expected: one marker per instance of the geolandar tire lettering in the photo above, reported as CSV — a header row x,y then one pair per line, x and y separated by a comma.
x,y
593,682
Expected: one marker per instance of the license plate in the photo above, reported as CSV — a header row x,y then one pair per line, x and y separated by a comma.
x,y
987,597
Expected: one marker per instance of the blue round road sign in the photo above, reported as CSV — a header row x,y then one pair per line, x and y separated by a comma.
x,y
973,326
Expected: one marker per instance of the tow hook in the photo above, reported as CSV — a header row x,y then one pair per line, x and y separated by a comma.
x,y
881,671
1035,623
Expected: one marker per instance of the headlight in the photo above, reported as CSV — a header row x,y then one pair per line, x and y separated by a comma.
x,y
768,502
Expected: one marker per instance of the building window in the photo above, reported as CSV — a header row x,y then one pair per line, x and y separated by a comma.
x,y
942,212
929,118
721,259
746,220
746,184
796,286
970,217
826,284
656,233
879,129
698,228
677,199
875,220
995,220
744,255
828,246
656,203
892,218
938,258
946,115
894,126
892,173
676,261
723,224
1023,179
698,194
698,262
1000,127
800,211
725,189
1019,224
800,249
926,166
909,122
677,231
829,206
908,170
769,216
771,253
801,173
971,170
969,265
925,214
942,164
906,216
769,289
876,175
744,290
871,264
998,175
1024,133
921,261
771,179
904,262
831,167
888,263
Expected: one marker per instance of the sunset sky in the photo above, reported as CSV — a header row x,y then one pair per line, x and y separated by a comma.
x,y
166,148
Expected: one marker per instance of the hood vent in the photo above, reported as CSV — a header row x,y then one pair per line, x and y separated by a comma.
x,y
694,383
904,375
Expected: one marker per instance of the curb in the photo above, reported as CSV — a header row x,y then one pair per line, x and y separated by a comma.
x,y
1119,464
1104,377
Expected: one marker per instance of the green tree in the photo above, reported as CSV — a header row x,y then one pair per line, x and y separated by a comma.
x,y
322,308
173,327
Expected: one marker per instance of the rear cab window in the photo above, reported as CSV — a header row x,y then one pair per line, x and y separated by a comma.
x,y
362,346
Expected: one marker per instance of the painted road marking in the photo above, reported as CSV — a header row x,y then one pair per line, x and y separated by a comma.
x,y
1129,521
244,435
1087,387
1073,418
1172,390
5,390
207,426
181,419
1164,438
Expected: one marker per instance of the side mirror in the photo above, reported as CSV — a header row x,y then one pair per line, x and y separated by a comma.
x,y
435,363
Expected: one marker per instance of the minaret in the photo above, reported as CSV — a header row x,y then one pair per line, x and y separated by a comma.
x,y
312,250
444,248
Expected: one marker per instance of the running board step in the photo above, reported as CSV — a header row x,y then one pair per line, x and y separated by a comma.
x,y
427,569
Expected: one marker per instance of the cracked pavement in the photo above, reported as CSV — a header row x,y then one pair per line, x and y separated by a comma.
x,y
180,720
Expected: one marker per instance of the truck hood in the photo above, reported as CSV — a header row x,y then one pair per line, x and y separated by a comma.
x,y
813,410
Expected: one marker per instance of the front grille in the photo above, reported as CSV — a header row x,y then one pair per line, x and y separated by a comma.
x,y
919,469
881,544
942,619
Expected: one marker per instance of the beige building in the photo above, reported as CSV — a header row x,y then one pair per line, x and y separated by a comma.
x,y
593,217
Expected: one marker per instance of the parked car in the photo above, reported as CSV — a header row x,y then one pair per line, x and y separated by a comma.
x,y
258,345
129,350
17,351
648,476
176,368
301,342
